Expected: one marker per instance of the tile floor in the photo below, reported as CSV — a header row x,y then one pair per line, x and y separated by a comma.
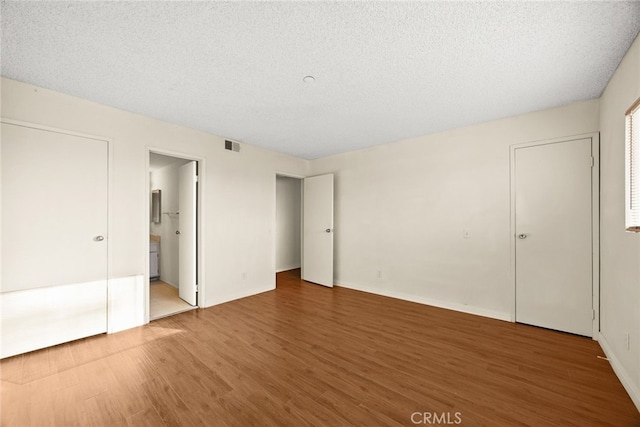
x,y
164,300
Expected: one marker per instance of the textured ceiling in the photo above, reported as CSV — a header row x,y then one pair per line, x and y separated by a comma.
x,y
384,70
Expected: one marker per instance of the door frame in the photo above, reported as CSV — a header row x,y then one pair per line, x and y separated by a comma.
x,y
200,224
275,212
275,207
110,213
595,220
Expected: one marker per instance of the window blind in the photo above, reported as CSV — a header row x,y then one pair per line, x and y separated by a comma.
x,y
632,168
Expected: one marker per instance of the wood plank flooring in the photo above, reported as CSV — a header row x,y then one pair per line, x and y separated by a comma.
x,y
309,355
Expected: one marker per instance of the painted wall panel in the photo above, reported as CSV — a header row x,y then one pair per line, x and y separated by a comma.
x,y
620,250
402,209
125,308
239,203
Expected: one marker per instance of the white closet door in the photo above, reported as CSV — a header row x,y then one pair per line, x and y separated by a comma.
x,y
54,237
187,287
554,236
317,235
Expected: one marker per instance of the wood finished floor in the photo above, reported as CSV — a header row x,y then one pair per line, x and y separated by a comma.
x,y
308,355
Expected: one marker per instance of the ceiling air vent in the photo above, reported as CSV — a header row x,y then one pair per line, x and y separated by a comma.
x,y
231,146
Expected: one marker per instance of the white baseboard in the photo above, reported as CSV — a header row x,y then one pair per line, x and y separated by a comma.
x,y
620,371
280,270
478,311
166,281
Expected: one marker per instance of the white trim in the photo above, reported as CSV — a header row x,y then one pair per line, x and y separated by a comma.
x,y
595,220
463,308
290,175
622,374
125,303
200,223
280,270
52,129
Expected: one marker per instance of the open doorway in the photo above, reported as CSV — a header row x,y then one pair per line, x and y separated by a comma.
x,y
172,235
288,223
304,227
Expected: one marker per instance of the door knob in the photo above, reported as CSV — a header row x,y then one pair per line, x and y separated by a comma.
x,y
98,238
178,232
328,230
522,236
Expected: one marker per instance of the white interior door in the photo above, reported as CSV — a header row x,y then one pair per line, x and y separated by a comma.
x,y
553,223
54,237
187,202
317,235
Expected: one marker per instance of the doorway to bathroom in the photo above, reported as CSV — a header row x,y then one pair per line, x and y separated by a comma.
x,y
173,235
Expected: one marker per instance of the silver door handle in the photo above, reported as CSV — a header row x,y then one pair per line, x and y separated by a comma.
x,y
98,238
178,232
328,230
522,236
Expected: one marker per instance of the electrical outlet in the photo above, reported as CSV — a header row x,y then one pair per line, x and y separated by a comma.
x,y
379,274
244,276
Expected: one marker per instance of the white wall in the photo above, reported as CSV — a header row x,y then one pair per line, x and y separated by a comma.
x,y
619,250
166,180
288,210
400,210
238,203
